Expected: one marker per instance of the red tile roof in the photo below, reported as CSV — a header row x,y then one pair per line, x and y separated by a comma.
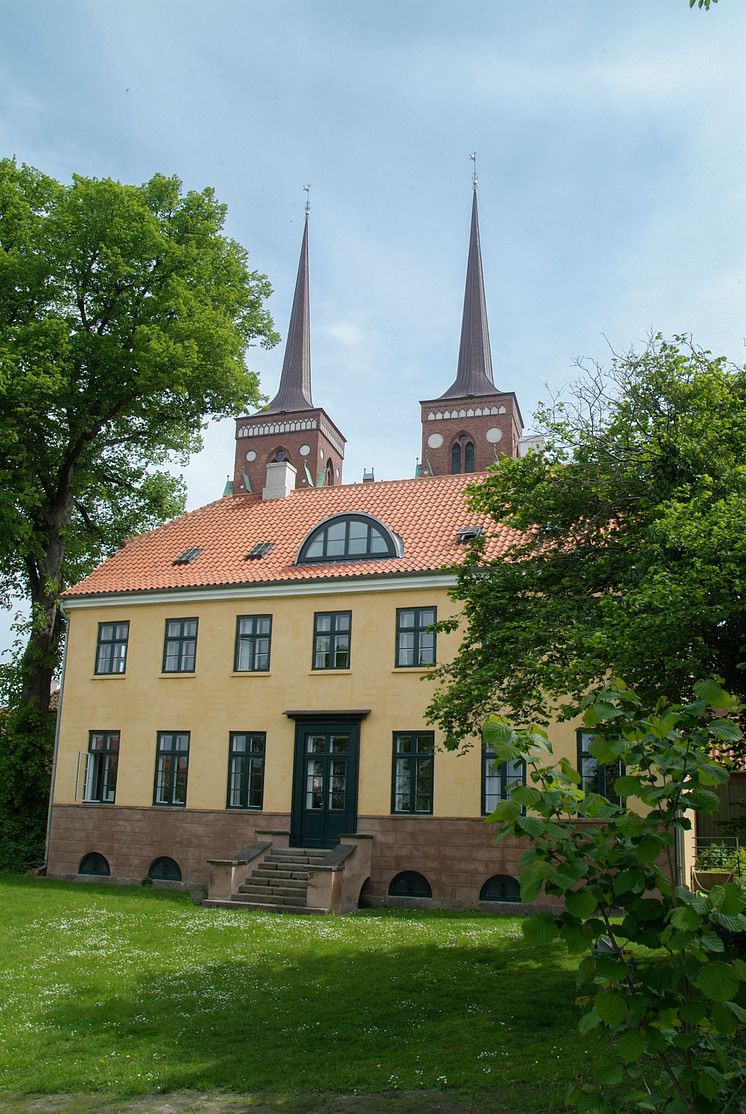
x,y
425,513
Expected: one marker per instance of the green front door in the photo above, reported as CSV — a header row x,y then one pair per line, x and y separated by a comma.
x,y
324,783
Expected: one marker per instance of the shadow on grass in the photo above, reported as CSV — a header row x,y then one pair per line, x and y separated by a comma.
x,y
480,1018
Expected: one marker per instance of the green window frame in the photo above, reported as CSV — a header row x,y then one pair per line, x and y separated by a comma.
x,y
180,646
498,779
413,770
171,768
348,537
111,647
332,640
594,777
101,771
246,769
416,645
253,643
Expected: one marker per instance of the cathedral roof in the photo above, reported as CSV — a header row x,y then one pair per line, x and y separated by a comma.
x,y
474,372
294,392
425,513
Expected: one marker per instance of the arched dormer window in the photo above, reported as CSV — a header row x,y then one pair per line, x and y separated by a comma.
x,y
462,454
349,537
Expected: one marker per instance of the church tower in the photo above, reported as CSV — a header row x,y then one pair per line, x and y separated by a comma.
x,y
291,428
473,423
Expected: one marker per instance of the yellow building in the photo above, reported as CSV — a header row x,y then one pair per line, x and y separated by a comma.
x,y
244,692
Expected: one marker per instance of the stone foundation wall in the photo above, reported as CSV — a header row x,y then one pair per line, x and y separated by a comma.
x,y
456,856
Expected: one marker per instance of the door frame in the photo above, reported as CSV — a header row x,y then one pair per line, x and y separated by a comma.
x,y
328,721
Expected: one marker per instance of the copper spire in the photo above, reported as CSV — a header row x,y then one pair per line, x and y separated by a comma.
x,y
474,373
295,382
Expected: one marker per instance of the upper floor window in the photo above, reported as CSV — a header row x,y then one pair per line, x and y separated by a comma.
x,y
595,778
331,639
171,768
101,771
349,537
415,642
462,455
253,642
498,778
180,646
111,649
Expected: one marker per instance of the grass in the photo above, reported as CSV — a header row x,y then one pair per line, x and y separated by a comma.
x,y
130,991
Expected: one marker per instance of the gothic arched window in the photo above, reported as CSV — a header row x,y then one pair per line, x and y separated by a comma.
x,y
329,478
279,455
462,454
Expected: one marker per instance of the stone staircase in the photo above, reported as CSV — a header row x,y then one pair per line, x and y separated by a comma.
x,y
280,883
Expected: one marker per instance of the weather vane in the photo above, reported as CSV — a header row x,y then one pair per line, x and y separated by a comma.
x,y
474,179
307,188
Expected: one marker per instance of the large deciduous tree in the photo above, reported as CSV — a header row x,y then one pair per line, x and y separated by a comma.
x,y
632,560
125,315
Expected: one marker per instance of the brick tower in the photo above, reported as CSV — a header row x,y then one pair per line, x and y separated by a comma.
x,y
473,423
291,428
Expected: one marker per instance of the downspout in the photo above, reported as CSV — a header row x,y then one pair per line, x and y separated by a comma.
x,y
56,734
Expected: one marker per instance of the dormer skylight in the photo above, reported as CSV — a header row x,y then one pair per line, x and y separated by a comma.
x,y
261,549
187,556
349,537
468,534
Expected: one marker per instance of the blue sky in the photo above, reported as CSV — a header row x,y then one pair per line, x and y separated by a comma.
x,y
611,156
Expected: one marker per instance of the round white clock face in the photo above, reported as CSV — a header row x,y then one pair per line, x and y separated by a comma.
x,y
494,435
251,455
435,440
304,450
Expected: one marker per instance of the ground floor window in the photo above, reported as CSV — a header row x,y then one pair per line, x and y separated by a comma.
x,y
101,772
246,769
498,779
413,772
171,768
594,777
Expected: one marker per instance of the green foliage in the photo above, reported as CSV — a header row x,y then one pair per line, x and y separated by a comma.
x,y
631,557
662,987
702,4
125,315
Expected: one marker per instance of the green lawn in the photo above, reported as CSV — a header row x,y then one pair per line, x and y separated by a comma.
x,y
132,991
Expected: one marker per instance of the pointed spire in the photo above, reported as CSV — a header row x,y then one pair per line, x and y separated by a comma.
x,y
474,373
295,382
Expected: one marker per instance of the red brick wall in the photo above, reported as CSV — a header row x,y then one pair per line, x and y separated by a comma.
x,y
464,419
264,445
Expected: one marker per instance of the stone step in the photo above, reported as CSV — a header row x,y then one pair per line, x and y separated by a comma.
x,y
251,886
264,871
296,860
262,907
293,900
257,879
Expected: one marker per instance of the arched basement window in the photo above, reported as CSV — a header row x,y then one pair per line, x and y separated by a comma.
x,y
349,537
410,884
501,887
95,863
164,869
